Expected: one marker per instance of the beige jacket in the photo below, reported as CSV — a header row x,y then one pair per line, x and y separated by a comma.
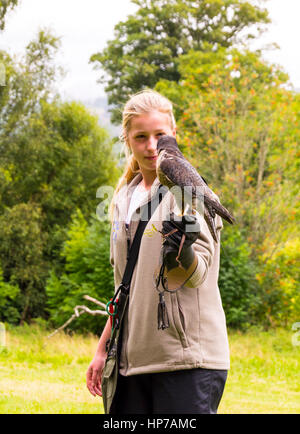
x,y
197,335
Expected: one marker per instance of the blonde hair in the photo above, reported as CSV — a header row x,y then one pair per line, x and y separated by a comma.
x,y
142,102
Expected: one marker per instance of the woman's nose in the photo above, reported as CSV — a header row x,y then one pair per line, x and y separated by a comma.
x,y
152,143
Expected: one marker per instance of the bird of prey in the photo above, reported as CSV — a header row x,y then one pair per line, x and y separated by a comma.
x,y
174,170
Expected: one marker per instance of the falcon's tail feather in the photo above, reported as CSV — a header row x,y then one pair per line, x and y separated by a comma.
x,y
219,209
211,224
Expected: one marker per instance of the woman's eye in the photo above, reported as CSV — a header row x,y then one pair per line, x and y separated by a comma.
x,y
161,134
140,136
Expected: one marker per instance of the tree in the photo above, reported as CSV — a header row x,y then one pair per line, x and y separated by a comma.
x,y
60,147
280,280
147,46
240,291
56,164
9,301
87,271
53,158
65,155
29,80
5,7
238,125
21,251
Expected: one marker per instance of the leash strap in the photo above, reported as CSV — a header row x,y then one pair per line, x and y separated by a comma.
x,y
123,291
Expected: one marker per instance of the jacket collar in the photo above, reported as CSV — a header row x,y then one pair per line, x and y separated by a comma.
x,y
124,196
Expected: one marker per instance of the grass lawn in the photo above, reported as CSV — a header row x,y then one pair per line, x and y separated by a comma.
x,y
264,375
40,375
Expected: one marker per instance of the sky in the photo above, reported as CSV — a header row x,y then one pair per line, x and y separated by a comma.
x,y
86,26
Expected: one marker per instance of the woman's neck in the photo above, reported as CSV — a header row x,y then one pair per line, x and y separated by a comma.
x,y
148,179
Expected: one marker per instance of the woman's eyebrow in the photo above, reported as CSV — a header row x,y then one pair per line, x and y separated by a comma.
x,y
146,132
138,131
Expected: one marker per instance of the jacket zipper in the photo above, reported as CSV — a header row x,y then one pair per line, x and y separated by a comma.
x,y
126,316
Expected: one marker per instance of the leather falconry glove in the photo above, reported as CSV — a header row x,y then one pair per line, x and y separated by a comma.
x,y
179,234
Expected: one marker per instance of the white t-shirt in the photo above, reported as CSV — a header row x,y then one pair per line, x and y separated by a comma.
x,y
138,195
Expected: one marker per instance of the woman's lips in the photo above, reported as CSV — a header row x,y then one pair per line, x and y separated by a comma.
x,y
152,158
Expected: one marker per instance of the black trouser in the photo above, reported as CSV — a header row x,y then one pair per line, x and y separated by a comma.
x,y
191,391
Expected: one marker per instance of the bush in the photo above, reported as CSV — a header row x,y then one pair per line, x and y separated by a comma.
x,y
21,254
238,285
279,276
87,271
9,301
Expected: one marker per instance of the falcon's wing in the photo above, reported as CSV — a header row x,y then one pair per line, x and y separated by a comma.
x,y
180,172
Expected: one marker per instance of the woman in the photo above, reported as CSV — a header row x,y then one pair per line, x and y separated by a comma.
x,y
181,368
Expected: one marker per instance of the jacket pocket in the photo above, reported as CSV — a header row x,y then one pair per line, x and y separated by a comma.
x,y
178,319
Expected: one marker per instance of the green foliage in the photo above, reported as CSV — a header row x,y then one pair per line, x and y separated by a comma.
x,y
9,301
279,277
21,252
5,7
147,46
87,271
237,125
28,81
66,156
236,113
237,281
53,158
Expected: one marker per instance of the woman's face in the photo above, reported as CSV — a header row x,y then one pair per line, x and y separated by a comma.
x,y
145,130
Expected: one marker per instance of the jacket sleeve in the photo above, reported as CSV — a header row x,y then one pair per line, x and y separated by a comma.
x,y
112,235
111,255
204,248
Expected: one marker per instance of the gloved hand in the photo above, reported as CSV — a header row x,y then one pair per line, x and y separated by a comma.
x,y
179,235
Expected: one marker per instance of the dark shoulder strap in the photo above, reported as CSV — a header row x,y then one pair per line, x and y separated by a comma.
x,y
146,213
123,290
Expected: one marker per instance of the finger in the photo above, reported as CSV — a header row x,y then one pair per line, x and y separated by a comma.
x,y
90,388
98,391
89,373
95,377
89,381
97,386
